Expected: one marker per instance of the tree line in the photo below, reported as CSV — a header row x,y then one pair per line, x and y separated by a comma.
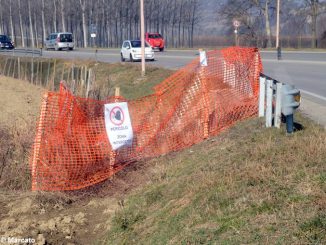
x,y
257,17
181,22
29,22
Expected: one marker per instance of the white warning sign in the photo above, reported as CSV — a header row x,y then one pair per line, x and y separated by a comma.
x,y
202,57
118,124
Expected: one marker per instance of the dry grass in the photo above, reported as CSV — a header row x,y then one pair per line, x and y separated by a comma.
x,y
15,144
249,185
97,84
20,103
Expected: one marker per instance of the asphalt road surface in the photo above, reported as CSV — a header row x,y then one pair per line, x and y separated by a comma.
x,y
306,70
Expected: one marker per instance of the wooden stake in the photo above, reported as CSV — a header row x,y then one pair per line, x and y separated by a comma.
x,y
18,67
47,77
37,73
89,81
53,77
32,70
4,68
25,71
13,72
117,92
113,154
41,72
63,72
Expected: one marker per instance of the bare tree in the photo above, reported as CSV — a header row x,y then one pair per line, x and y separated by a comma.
x,y
43,20
63,15
35,30
55,15
1,17
31,31
21,24
12,30
313,10
250,12
267,24
116,20
194,18
83,11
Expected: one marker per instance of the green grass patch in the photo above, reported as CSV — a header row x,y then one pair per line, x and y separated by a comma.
x,y
128,77
100,83
314,229
322,179
248,185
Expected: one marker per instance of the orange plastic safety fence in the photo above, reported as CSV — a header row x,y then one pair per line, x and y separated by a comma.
x,y
72,150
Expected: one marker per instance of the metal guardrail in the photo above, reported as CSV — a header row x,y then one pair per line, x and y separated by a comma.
x,y
22,51
277,99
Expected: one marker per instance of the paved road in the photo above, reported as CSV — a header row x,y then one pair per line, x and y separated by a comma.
x,y
168,59
306,70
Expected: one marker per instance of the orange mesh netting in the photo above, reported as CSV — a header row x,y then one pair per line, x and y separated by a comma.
x,y
72,150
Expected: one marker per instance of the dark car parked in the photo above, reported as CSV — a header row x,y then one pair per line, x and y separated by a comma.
x,y
6,43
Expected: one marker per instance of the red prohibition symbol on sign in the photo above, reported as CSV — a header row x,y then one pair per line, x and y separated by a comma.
x,y
116,116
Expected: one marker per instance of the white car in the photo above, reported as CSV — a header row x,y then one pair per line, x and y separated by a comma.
x,y
60,40
131,49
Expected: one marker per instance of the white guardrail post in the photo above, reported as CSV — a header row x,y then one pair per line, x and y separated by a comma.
x,y
262,89
278,105
269,103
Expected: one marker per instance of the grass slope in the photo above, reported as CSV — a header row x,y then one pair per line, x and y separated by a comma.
x,y
128,77
19,106
249,185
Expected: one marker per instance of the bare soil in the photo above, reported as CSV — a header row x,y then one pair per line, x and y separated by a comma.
x,y
80,217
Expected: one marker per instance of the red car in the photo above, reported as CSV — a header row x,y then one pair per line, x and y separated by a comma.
x,y
155,40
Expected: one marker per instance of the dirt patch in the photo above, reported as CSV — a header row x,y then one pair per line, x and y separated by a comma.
x,y
53,221
80,217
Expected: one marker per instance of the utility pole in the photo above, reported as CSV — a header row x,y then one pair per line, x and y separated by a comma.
x,y
142,38
279,54
314,13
